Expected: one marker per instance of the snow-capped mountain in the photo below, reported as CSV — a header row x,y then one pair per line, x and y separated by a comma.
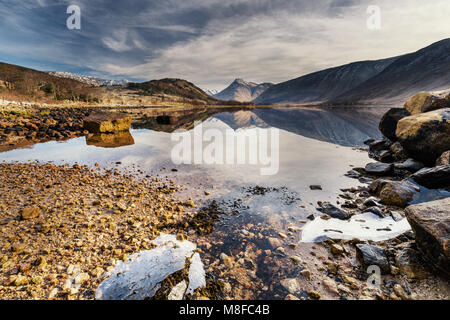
x,y
93,81
211,92
243,91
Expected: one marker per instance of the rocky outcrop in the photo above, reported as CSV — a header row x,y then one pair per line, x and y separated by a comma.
x,y
388,123
107,122
427,101
436,177
425,136
430,222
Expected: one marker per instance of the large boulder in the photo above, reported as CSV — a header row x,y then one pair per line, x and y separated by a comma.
x,y
426,101
425,136
104,122
388,123
436,177
430,222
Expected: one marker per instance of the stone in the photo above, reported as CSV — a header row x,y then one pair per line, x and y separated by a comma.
x,y
315,187
274,242
379,145
444,159
376,186
330,285
398,193
332,267
104,122
30,213
436,177
306,274
425,136
291,297
388,123
400,292
378,168
371,202
282,235
424,102
291,285
410,262
336,249
398,151
410,165
372,255
333,211
190,204
178,291
296,259
430,222
396,216
314,294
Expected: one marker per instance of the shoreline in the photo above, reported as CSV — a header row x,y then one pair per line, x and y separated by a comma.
x,y
89,220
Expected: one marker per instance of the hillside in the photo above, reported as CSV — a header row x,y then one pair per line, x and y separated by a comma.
x,y
425,70
170,86
20,82
323,85
243,91
386,81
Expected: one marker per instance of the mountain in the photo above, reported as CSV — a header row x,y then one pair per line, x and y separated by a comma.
x,y
171,86
93,81
211,92
21,82
388,81
323,85
425,70
242,91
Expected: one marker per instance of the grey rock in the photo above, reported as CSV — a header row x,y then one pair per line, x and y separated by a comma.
x,y
333,211
373,255
410,165
378,168
436,177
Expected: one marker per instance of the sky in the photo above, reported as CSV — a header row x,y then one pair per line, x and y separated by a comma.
x,y
212,42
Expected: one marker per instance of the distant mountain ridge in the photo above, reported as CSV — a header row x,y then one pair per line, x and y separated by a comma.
x,y
388,81
425,70
243,91
172,86
93,81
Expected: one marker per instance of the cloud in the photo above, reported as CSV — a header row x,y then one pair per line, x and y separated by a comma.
x,y
212,42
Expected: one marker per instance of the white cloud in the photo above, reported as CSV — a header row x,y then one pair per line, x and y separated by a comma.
x,y
284,46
